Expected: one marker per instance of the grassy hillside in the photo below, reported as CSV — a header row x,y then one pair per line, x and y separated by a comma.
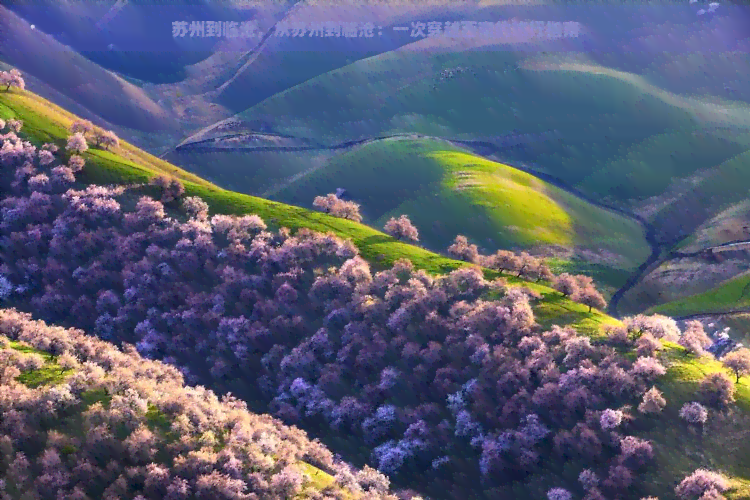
x,y
732,224
402,91
617,130
99,90
676,456
45,122
446,190
732,295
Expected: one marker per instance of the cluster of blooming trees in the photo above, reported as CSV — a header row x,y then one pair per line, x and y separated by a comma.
x,y
421,370
401,228
170,188
427,374
142,433
332,204
84,130
578,288
12,78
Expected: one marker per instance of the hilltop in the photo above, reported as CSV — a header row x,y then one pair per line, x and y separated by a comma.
x,y
446,190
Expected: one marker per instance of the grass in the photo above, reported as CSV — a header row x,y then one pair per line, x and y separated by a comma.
x,y
727,184
722,445
621,138
600,113
732,295
445,190
44,122
402,91
727,226
49,374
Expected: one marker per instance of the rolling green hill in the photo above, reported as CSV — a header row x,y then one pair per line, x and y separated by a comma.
x,y
732,295
616,130
723,446
45,122
446,190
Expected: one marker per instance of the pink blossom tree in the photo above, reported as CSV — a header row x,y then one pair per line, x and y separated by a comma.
x,y
171,188
81,126
77,143
461,249
401,228
505,260
76,163
15,125
46,157
591,297
559,494
653,401
738,361
694,413
566,284
717,389
699,483
12,78
694,338
106,139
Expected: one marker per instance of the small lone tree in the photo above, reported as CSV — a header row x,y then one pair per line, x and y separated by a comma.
x,y
348,210
12,78
461,249
591,297
694,413
76,163
653,401
699,483
566,284
559,494
505,260
401,228
106,139
694,338
332,204
717,389
46,157
171,188
738,361
326,203
15,125
82,126
77,143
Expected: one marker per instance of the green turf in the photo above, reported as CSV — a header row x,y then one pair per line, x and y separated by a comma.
x,y
402,91
619,137
732,295
446,190
47,122
49,374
